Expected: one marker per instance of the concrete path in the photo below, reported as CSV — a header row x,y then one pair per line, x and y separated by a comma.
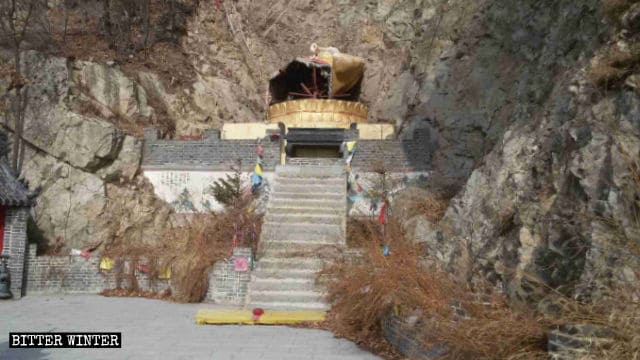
x,y
153,329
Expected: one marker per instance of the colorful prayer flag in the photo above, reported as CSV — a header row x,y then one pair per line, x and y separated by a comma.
x,y
106,263
165,274
382,219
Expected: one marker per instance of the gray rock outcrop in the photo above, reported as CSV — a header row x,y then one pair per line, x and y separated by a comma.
x,y
74,158
550,201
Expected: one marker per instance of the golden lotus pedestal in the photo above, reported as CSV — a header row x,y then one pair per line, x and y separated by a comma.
x,y
318,113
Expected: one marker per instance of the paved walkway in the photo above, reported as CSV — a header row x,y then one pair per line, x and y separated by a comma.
x,y
153,329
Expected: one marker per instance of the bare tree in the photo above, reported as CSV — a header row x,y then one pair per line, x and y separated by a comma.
x,y
16,18
147,21
67,5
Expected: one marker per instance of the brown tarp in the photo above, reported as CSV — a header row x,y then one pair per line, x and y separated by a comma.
x,y
347,72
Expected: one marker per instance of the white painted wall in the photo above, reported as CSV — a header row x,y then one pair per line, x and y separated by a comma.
x,y
170,185
369,201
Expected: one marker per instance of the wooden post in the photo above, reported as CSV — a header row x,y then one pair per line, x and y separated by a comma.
x,y
3,212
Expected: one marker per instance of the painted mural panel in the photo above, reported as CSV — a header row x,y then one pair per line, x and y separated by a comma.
x,y
189,191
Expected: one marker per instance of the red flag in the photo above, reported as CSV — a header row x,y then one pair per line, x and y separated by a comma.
x,y
143,268
260,150
382,218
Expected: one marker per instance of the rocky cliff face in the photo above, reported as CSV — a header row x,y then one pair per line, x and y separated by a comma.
x,y
551,200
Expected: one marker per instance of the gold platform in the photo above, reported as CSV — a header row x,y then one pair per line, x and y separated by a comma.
x,y
318,113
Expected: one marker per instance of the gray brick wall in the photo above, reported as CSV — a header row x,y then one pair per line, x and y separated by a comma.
x,y
74,274
210,153
402,155
15,245
226,286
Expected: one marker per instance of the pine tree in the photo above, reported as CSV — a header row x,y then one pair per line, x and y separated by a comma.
x,y
227,191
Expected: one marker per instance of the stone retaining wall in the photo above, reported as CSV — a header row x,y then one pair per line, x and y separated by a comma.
x,y
401,155
77,275
227,286
408,340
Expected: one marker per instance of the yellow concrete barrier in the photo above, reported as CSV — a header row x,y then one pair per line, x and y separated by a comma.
x,y
270,317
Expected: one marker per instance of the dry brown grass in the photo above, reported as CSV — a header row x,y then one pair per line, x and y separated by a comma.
x,y
614,9
359,231
432,207
619,315
362,294
191,250
606,76
613,65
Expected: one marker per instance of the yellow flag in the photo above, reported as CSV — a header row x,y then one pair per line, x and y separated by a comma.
x,y
106,263
258,170
165,274
351,145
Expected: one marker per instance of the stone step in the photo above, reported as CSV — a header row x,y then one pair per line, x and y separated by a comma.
x,y
293,264
283,242
309,196
338,204
293,217
289,305
292,284
289,253
302,231
304,296
309,188
279,249
287,273
276,235
304,210
310,171
330,182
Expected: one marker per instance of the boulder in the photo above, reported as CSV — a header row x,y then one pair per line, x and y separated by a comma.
x,y
112,92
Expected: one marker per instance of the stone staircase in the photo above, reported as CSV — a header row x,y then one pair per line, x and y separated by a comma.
x,y
306,213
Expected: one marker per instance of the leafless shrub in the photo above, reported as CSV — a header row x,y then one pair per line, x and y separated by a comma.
x,y
190,250
363,293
